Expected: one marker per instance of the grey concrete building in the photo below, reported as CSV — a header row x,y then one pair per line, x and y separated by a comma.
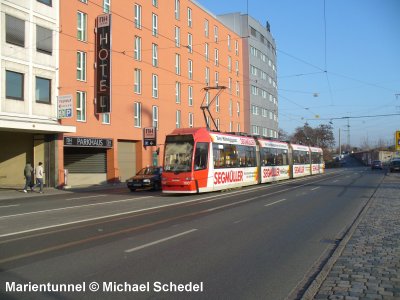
x,y
260,85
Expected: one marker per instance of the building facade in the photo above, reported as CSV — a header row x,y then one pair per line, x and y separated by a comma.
x,y
259,56
160,56
28,91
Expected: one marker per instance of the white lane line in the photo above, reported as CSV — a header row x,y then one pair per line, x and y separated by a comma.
x,y
238,221
335,180
71,207
316,188
273,203
160,241
208,199
13,205
78,198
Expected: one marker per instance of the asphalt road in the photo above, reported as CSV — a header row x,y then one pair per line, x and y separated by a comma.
x,y
261,242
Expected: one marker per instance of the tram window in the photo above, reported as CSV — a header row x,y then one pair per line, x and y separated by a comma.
x,y
219,156
201,156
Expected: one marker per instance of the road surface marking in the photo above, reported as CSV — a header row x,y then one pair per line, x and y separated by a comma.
x,y
336,180
70,207
4,206
200,200
272,203
238,221
160,241
94,196
316,188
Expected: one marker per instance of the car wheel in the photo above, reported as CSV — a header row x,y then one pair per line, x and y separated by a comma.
x,y
132,189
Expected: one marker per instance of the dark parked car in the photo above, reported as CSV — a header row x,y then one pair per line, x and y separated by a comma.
x,y
376,164
146,178
395,165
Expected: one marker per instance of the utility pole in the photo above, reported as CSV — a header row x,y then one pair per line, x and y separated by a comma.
x,y
340,145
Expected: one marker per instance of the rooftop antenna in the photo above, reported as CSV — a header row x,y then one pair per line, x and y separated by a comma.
x,y
205,107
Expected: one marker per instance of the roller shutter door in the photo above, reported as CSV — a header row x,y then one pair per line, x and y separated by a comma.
x,y
126,159
85,160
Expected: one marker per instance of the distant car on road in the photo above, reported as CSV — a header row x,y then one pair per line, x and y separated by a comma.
x,y
376,164
146,178
395,165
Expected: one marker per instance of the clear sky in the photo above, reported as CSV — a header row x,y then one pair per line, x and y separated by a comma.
x,y
357,43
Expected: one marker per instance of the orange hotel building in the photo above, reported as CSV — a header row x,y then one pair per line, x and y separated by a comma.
x,y
162,55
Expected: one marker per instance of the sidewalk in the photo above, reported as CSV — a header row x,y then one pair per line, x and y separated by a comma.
x,y
366,264
17,193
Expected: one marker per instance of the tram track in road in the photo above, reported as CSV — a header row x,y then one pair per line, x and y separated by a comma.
x,y
19,247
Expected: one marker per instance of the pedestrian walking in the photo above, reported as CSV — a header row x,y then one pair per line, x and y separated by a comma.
x,y
28,177
39,177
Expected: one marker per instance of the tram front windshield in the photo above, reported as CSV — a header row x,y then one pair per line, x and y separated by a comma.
x,y
178,153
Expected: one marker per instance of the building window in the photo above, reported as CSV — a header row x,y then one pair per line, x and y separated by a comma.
x,y
237,68
137,107
137,85
237,88
83,1
155,86
229,42
81,106
230,108
217,104
217,122
82,26
216,57
191,120
178,119
43,90
15,31
255,129
155,55
155,25
207,76
44,40
81,66
177,64
177,36
236,47
190,43
47,2
155,3
155,117
189,17
206,51
137,51
190,95
190,69
177,9
206,26
138,16
106,7
105,118
229,64
216,78
216,34
177,92
14,85
238,109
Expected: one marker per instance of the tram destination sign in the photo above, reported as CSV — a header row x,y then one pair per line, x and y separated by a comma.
x,y
88,142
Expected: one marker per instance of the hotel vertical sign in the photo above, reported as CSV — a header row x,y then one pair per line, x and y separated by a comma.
x,y
103,64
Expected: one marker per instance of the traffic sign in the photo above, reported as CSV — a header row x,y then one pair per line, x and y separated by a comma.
x,y
149,136
64,106
397,140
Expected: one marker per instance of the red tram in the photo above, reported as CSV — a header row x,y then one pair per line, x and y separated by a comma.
x,y
197,160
